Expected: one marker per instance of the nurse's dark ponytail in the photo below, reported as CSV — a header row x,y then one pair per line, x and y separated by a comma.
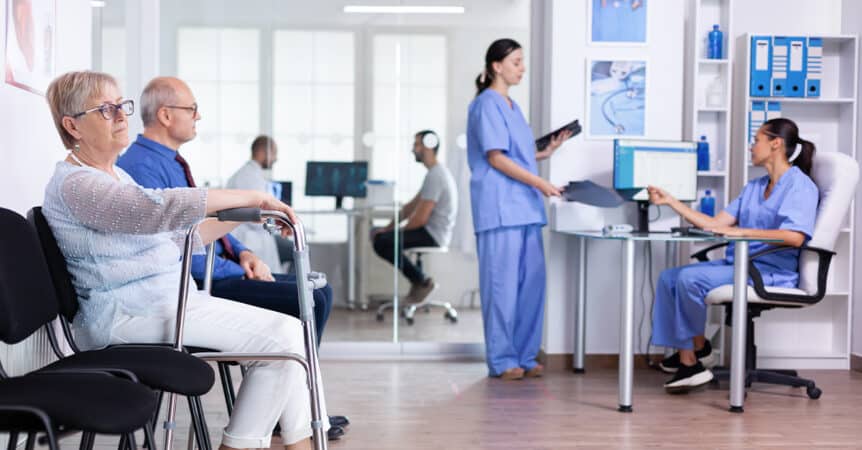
x,y
786,129
497,52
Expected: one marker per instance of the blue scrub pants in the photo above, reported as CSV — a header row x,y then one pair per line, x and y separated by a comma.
x,y
679,313
512,289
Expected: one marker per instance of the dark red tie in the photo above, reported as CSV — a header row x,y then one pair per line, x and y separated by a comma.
x,y
225,242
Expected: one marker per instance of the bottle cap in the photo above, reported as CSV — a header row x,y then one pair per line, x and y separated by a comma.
x,y
703,138
708,192
715,27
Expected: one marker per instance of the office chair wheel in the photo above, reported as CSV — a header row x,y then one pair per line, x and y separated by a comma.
x,y
813,392
451,317
380,317
409,320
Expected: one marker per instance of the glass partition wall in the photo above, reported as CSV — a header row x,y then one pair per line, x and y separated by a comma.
x,y
334,86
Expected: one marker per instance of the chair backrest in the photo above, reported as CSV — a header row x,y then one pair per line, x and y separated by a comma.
x,y
835,175
27,297
66,294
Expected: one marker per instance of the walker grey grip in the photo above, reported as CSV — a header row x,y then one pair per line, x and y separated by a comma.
x,y
239,215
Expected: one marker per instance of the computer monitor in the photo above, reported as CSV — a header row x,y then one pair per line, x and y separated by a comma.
x,y
336,179
283,190
670,165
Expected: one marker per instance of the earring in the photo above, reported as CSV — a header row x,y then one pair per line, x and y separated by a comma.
x,y
77,148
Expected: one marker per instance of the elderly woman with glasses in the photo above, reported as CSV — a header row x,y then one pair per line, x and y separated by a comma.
x,y
120,242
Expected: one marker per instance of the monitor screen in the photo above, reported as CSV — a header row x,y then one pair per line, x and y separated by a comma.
x,y
283,190
670,165
337,179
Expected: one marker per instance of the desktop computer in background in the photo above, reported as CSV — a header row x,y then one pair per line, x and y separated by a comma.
x,y
670,165
283,190
336,179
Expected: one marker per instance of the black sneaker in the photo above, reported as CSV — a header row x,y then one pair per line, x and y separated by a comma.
x,y
688,378
705,355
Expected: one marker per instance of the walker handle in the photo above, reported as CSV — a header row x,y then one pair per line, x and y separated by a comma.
x,y
239,215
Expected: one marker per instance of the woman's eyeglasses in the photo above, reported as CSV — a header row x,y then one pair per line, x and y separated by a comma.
x,y
109,110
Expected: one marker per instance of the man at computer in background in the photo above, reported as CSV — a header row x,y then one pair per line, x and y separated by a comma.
x,y
169,113
430,217
254,176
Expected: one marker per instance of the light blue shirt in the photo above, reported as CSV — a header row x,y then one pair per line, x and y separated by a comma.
x,y
496,200
792,205
120,245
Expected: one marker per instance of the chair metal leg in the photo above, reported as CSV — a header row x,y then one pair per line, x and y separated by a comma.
x,y
205,441
31,440
226,386
13,440
131,443
87,440
123,444
149,435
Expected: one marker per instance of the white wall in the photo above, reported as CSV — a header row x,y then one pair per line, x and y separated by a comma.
x,y
30,144
593,159
851,14
582,159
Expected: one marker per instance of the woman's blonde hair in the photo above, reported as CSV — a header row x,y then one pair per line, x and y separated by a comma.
x,y
69,93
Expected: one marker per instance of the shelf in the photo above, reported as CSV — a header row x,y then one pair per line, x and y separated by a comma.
x,y
712,61
711,173
846,230
837,293
798,354
711,109
825,101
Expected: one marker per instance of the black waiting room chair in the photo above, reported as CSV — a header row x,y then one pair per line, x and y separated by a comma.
x,y
159,367
92,398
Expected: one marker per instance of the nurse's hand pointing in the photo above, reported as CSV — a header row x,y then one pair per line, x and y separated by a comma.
x,y
658,196
549,189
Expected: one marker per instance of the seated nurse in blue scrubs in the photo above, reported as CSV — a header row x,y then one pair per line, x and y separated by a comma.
x,y
779,205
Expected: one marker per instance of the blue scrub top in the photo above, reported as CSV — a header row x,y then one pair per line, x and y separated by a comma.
x,y
792,205
499,201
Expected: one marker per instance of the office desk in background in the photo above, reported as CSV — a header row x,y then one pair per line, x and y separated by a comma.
x,y
370,212
626,356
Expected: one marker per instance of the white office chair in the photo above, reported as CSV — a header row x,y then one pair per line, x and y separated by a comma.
x,y
835,175
409,312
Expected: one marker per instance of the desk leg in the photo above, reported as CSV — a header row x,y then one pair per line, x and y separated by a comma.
x,y
580,309
740,308
627,327
351,262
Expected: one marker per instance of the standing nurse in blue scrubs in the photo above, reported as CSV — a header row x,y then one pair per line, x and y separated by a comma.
x,y
508,215
779,205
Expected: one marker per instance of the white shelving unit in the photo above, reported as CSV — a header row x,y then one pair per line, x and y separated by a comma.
x,y
816,336
709,117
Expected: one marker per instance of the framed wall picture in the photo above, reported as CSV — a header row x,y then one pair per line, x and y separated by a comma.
x,y
30,35
617,102
617,22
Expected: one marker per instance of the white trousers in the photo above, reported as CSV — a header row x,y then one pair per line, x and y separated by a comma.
x,y
272,391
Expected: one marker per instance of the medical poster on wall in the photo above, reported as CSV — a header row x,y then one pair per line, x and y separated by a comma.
x,y
616,105
617,22
30,30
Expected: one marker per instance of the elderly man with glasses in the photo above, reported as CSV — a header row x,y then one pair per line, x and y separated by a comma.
x,y
169,112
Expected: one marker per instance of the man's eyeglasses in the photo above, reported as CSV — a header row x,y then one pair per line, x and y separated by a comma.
x,y
109,110
193,108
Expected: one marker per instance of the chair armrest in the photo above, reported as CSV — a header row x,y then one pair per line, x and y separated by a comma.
x,y
107,371
702,255
824,260
22,415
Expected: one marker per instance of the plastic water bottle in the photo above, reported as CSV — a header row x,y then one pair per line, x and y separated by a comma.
x,y
702,154
707,204
715,40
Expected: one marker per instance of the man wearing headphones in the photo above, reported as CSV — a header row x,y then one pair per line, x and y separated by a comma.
x,y
430,217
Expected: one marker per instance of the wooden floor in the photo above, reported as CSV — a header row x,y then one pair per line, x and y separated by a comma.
x,y
453,405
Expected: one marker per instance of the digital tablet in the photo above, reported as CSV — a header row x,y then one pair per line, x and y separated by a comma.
x,y
573,126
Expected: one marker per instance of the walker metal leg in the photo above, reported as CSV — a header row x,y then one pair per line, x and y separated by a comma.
x,y
626,373
740,310
580,309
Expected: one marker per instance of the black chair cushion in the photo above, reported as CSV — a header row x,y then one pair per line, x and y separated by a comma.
x,y
92,402
66,294
27,298
160,368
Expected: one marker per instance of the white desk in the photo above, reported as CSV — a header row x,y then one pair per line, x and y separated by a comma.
x,y
351,214
626,356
